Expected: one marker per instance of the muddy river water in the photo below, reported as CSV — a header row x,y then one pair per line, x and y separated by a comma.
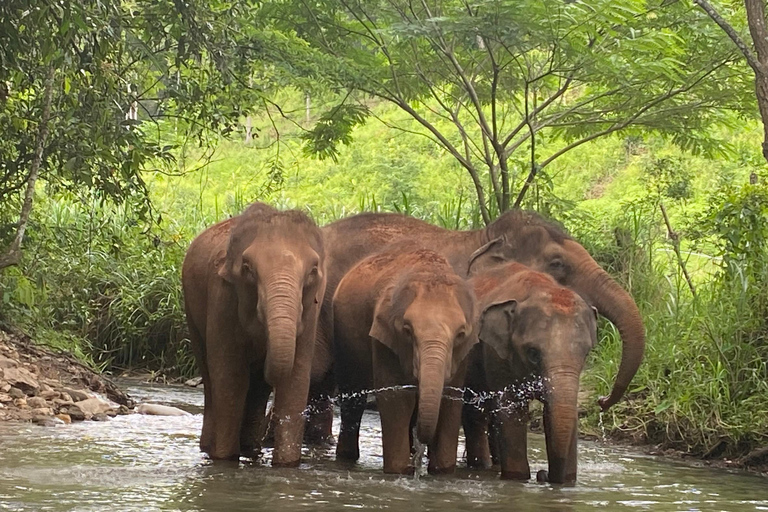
x,y
153,463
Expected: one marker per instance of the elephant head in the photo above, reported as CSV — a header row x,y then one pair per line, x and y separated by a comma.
x,y
275,262
535,328
427,320
526,238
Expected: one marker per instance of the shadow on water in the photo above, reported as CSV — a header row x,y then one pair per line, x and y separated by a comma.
x,y
153,463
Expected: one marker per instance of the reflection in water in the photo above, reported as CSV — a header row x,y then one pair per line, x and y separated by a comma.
x,y
153,463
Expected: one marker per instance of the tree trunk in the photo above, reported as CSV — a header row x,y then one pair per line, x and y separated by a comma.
x,y
12,255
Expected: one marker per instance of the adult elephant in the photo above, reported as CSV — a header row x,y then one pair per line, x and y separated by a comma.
x,y
252,288
515,236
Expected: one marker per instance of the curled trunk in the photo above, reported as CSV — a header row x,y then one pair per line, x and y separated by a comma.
x,y
283,310
613,302
431,381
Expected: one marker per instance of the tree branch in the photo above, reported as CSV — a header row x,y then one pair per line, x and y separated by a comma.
x,y
12,255
753,62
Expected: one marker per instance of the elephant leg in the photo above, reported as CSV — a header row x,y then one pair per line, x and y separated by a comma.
x,y
476,424
229,387
352,409
289,410
396,409
513,430
319,428
198,351
254,419
442,451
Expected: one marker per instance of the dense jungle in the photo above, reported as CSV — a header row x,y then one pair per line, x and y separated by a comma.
x,y
129,126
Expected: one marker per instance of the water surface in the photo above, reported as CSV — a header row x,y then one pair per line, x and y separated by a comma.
x,y
142,463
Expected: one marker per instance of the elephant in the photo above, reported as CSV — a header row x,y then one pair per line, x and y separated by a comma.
x,y
532,331
402,317
253,285
516,235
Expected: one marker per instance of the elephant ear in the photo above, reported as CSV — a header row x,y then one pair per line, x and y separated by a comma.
x,y
224,265
491,251
496,323
387,328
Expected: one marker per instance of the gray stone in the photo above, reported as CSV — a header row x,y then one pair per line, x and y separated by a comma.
x,y
22,379
36,402
77,396
49,395
16,393
93,406
160,410
74,413
47,421
100,417
194,382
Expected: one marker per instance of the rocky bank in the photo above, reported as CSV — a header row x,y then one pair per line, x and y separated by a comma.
x,y
47,388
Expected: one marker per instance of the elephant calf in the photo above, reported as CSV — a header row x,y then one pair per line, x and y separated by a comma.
x,y
531,329
402,317
252,288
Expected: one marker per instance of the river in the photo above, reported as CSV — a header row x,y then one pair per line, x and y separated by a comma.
x,y
138,463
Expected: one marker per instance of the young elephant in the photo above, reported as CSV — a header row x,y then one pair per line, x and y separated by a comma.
x,y
531,329
402,318
252,288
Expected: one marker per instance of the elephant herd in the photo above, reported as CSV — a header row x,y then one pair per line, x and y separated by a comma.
x,y
420,314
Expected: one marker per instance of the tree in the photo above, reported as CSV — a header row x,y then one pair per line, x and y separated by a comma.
x,y
84,87
757,58
508,87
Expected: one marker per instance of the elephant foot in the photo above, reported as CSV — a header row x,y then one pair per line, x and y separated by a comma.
x,y
441,471
286,464
516,475
347,454
319,440
479,463
408,471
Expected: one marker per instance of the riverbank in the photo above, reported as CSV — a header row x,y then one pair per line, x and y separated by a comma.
x,y
50,388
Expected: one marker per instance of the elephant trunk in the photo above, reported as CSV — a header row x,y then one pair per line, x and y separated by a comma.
x,y
283,314
613,302
561,423
432,363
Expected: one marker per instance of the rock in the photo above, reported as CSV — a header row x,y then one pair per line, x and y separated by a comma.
x,y
112,413
100,417
194,382
16,393
49,395
37,402
45,388
77,396
65,418
42,411
123,410
4,398
20,402
93,406
542,476
22,379
7,363
47,421
74,413
66,398
5,387
160,410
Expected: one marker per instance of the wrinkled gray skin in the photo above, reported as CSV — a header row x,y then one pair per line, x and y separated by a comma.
x,y
252,291
529,328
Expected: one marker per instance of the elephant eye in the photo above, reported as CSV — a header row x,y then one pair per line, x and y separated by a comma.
x,y
556,264
246,268
407,329
534,355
